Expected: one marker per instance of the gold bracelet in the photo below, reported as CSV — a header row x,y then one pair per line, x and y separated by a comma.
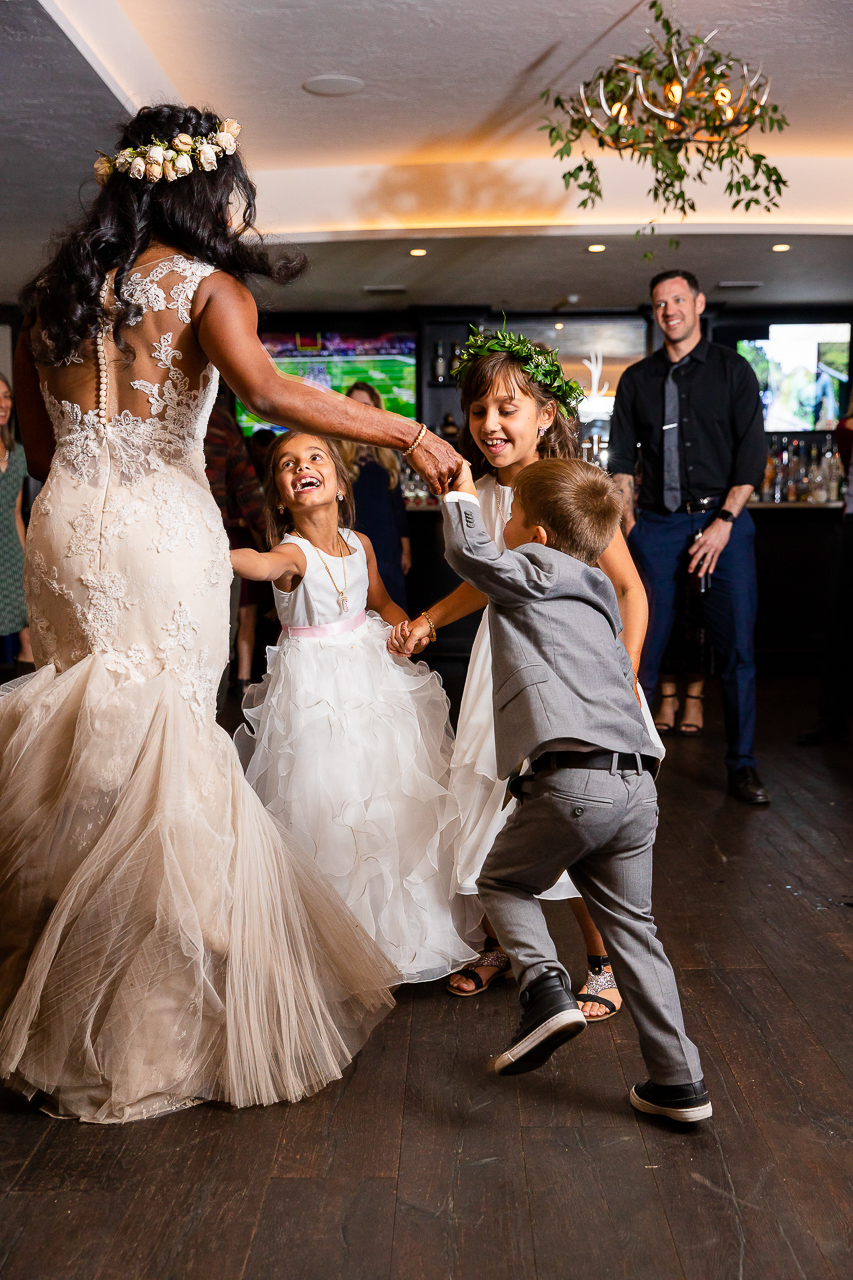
x,y
432,636
418,438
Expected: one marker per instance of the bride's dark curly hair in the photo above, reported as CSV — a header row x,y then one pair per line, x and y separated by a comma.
x,y
192,215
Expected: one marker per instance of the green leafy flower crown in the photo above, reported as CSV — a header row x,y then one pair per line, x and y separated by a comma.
x,y
542,365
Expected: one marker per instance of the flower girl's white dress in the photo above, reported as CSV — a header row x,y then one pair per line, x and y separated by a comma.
x,y
161,941
349,749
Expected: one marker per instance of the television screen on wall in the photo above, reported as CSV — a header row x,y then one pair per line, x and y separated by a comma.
x,y
803,371
334,361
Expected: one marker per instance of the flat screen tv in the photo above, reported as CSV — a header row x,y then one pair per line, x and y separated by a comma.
x,y
803,371
336,360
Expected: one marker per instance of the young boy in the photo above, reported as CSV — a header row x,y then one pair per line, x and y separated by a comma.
x,y
564,699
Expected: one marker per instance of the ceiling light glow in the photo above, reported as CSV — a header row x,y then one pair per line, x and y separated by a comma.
x,y
781,248
596,248
558,326
418,253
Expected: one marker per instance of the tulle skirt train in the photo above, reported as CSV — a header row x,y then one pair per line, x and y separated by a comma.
x,y
161,939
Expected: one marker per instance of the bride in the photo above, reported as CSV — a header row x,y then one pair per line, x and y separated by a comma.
x,y
160,942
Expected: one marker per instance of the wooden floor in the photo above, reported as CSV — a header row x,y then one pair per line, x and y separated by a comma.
x,y
420,1165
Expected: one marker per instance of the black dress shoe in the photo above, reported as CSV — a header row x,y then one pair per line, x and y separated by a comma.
x,y
823,734
549,1017
684,1102
745,785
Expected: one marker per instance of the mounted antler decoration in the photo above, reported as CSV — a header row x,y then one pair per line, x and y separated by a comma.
x,y
680,106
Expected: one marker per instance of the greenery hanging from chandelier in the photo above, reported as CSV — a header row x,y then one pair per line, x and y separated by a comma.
x,y
680,106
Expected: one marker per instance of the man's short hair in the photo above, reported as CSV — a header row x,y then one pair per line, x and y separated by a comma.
x,y
578,505
687,276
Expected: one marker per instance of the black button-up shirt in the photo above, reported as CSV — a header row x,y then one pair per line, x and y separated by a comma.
x,y
721,441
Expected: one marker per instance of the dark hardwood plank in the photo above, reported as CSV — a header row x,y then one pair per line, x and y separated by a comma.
x,y
353,1128
195,1216
57,1237
801,1103
462,1195
593,1198
724,1192
323,1229
23,1129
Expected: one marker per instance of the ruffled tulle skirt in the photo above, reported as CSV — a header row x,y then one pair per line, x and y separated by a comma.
x,y
161,941
349,750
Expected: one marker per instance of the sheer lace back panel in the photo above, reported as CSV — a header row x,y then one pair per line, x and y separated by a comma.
x,y
127,481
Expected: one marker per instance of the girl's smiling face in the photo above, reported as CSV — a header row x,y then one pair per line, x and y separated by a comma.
x,y
505,424
305,474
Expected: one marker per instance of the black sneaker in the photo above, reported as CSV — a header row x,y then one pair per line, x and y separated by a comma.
x,y
549,1017
684,1102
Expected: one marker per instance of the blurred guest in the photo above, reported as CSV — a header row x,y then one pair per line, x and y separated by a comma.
x,y
683,662
380,511
834,697
234,485
259,444
13,472
695,409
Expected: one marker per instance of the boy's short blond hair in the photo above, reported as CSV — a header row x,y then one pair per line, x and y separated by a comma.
x,y
578,505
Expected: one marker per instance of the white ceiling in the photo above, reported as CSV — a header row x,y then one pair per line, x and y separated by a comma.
x,y
442,137
460,79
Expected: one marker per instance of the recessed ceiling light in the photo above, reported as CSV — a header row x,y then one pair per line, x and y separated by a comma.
x,y
333,86
574,297
418,253
596,248
558,326
781,248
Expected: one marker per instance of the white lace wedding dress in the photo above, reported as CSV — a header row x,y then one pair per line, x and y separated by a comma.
x,y
160,940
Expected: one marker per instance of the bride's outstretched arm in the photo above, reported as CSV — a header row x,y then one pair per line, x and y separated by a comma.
x,y
225,319
34,424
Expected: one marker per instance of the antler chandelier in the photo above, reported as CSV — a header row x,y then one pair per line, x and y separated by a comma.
x,y
682,107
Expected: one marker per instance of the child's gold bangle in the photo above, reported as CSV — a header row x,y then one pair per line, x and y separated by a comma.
x,y
431,626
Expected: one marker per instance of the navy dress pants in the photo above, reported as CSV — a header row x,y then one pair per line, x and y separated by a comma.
x,y
660,546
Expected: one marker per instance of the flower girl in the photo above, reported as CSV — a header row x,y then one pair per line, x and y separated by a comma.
x,y
518,407
348,747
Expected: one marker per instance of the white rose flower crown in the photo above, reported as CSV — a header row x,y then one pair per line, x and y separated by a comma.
x,y
170,160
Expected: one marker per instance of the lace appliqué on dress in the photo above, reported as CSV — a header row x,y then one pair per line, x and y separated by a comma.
x,y
145,292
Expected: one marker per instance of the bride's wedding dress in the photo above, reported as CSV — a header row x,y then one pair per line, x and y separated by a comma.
x,y
160,941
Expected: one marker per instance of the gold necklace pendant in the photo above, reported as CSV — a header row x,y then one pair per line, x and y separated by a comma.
x,y
343,602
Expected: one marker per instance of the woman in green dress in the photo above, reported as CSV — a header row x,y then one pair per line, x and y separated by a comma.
x,y
13,469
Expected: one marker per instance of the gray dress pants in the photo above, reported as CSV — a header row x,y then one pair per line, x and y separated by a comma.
x,y
600,826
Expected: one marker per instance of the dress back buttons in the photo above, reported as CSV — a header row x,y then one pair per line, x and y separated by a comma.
x,y
578,811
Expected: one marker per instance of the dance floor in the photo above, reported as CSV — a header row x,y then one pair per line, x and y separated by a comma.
x,y
420,1165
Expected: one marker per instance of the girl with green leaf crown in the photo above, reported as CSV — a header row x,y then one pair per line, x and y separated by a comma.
x,y
518,408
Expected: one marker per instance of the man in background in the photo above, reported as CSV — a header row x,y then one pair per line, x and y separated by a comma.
x,y
694,409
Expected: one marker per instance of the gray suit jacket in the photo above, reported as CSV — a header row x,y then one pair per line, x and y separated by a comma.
x,y
559,669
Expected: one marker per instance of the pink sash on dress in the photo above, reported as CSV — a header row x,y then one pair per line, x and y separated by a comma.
x,y
328,628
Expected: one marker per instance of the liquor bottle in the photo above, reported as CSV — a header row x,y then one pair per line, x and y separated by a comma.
x,y
766,491
780,472
817,477
439,364
596,449
456,359
791,472
836,472
802,476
